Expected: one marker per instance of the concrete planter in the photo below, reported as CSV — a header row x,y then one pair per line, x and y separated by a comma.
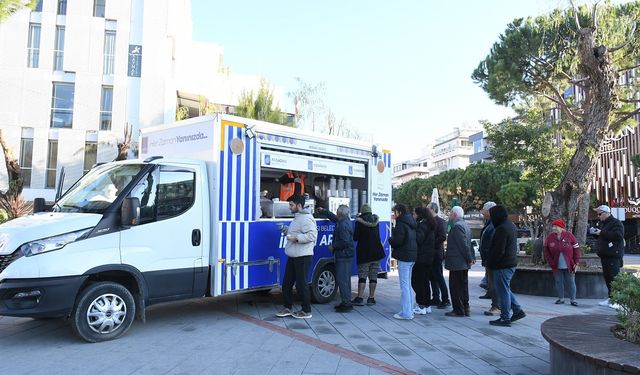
x,y
585,345
537,280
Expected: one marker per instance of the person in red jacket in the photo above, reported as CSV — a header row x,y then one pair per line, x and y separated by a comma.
x,y
562,252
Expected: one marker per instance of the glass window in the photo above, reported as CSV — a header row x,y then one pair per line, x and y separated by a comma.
x,y
62,105
98,8
58,49
106,105
26,163
33,48
62,7
90,155
109,52
38,7
164,194
52,164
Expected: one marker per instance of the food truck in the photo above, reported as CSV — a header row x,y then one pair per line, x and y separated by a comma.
x,y
198,214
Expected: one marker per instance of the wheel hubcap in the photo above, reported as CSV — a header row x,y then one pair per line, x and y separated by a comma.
x,y
326,283
106,313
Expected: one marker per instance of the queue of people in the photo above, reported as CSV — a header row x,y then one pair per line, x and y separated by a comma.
x,y
417,240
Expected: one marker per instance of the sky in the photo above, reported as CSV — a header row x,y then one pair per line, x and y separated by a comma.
x,y
398,72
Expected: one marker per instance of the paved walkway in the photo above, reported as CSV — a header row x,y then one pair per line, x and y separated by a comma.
x,y
241,335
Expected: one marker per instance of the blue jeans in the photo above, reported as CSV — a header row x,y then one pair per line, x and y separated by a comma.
x,y
502,280
564,276
343,279
406,299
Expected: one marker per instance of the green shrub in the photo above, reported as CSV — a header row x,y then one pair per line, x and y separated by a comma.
x,y
626,293
3,216
528,247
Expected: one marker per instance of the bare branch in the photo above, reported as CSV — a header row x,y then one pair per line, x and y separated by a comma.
x,y
594,15
624,44
562,103
575,13
630,101
628,68
627,115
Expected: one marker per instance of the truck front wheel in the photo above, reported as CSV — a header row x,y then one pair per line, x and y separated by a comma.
x,y
323,285
104,311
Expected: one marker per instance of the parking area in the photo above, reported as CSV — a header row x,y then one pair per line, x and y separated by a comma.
x,y
241,335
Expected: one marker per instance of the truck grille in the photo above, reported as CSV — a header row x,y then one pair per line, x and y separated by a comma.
x,y
6,260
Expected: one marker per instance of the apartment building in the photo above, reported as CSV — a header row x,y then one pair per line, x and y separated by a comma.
x,y
74,73
453,150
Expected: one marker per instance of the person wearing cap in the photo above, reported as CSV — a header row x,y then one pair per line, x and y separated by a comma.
x,y
610,245
562,252
486,236
369,252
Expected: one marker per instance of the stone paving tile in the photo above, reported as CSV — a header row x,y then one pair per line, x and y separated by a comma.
x,y
322,363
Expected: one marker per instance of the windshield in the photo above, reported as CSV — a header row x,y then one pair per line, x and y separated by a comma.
x,y
98,189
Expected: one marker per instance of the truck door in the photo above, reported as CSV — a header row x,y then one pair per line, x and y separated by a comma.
x,y
167,244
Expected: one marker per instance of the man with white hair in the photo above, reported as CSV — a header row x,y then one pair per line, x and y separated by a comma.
x,y
458,259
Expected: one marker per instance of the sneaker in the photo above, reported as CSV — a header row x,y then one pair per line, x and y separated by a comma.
x,y
371,301
494,311
486,296
518,316
484,286
419,310
604,303
574,303
500,322
344,308
559,302
300,314
453,313
284,312
358,301
444,305
400,317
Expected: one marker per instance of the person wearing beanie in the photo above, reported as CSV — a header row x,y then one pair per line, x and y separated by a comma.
x,y
562,252
369,252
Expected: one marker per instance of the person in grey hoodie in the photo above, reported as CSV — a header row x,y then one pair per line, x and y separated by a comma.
x,y
301,239
458,259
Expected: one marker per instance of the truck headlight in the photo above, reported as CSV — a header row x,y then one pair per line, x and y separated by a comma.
x,y
51,243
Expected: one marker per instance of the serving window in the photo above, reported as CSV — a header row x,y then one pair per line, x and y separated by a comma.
x,y
325,182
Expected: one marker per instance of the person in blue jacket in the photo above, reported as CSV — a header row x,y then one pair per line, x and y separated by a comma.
x,y
343,250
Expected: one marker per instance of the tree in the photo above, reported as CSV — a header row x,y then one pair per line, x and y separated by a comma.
x,y
261,106
11,200
9,7
473,186
312,111
573,59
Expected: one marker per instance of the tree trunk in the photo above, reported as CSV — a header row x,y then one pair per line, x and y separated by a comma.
x,y
582,217
595,63
11,200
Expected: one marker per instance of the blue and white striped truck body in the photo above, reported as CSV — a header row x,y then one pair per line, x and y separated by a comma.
x,y
248,252
183,221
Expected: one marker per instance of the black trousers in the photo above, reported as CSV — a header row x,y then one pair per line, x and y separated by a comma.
x,y
610,268
296,271
438,285
420,276
459,288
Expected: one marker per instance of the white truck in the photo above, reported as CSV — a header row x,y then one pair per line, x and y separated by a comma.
x,y
197,215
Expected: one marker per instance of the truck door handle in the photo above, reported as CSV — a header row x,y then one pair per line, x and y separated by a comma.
x,y
195,237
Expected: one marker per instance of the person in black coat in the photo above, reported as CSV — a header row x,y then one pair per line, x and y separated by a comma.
x,y
502,260
420,275
610,246
405,249
369,252
439,289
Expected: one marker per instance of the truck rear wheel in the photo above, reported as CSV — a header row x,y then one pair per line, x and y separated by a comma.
x,y
104,311
323,285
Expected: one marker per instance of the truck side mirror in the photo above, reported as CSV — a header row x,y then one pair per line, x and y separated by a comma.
x,y
130,212
39,205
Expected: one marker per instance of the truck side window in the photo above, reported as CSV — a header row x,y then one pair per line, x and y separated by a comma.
x,y
146,190
175,193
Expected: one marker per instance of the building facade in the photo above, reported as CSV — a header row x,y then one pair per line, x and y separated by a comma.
x,y
75,73
452,151
481,148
